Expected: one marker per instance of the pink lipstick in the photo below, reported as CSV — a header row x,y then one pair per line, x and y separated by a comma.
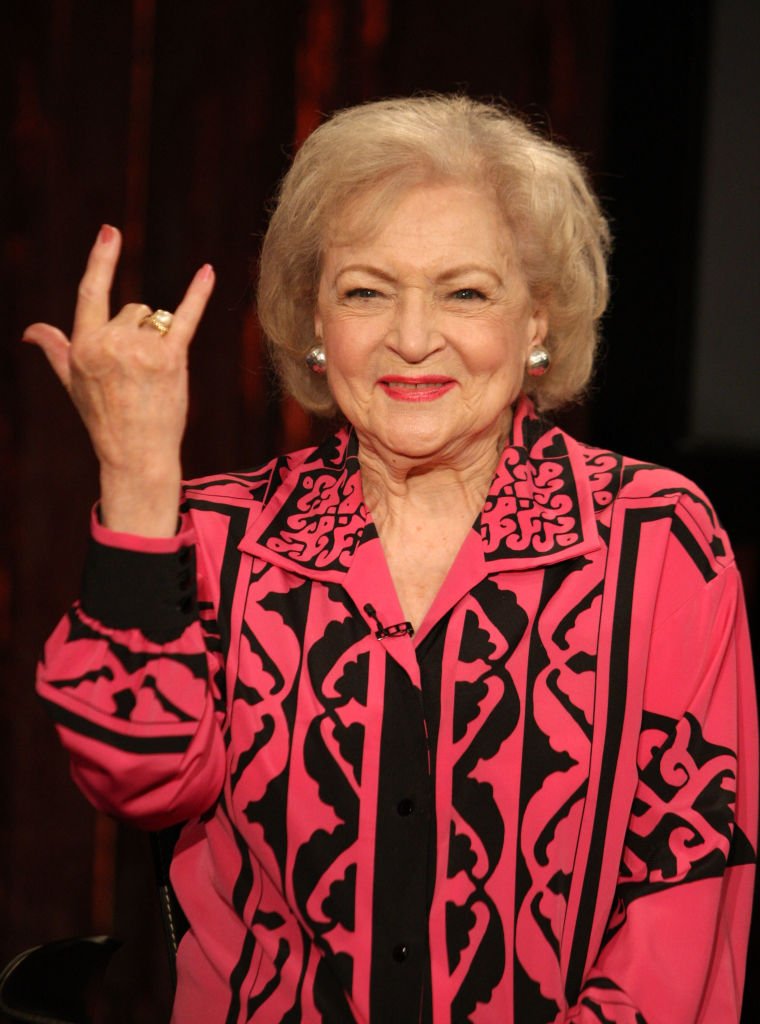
x,y
416,389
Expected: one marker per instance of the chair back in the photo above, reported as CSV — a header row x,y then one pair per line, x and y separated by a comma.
x,y
175,922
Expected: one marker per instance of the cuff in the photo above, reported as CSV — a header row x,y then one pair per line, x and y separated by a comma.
x,y
152,589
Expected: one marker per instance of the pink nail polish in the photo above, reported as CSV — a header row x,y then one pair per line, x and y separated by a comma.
x,y
206,272
106,234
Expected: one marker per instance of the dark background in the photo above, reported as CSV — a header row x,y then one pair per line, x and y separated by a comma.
x,y
174,119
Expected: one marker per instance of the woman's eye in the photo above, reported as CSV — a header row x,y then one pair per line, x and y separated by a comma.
x,y
468,294
361,293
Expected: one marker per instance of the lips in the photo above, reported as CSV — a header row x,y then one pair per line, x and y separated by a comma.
x,y
416,389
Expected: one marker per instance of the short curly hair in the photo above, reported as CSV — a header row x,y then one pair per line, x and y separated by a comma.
x,y
376,152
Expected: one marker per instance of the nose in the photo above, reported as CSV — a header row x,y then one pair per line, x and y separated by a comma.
x,y
414,334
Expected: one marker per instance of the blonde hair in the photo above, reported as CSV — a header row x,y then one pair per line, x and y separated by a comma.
x,y
375,153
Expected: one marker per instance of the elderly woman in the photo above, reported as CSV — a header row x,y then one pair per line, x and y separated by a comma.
x,y
458,712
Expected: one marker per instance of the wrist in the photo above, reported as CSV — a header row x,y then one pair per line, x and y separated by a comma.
x,y
144,505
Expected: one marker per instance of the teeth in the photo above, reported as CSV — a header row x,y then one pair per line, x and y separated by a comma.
x,y
414,385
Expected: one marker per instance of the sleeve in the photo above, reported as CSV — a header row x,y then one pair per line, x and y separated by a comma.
x,y
675,947
132,676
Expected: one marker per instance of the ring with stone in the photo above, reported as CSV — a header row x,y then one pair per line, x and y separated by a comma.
x,y
160,321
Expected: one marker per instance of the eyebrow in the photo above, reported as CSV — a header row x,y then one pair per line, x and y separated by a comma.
x,y
468,268
447,275
365,268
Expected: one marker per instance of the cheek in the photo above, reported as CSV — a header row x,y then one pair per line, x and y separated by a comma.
x,y
348,365
502,353
502,369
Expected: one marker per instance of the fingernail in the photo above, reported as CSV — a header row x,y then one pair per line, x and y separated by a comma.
x,y
106,234
206,272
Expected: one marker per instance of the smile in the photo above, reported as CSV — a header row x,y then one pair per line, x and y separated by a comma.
x,y
416,389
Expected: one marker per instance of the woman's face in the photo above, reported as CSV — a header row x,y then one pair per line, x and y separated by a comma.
x,y
427,325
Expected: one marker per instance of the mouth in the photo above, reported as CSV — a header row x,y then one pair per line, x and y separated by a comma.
x,y
416,389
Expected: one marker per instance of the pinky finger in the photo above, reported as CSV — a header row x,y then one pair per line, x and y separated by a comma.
x,y
188,313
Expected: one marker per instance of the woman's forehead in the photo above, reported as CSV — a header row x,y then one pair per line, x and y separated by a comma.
x,y
363,216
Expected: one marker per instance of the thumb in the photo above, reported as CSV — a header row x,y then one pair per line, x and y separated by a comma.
x,y
56,347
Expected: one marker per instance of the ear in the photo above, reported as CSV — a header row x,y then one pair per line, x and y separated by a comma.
x,y
318,333
538,327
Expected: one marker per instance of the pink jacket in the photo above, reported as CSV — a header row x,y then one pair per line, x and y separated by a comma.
x,y
539,808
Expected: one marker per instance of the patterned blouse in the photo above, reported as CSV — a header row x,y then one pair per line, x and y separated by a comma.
x,y
539,807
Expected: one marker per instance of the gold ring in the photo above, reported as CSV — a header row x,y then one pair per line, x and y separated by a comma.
x,y
160,321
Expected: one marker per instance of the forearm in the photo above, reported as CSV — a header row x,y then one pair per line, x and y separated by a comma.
x,y
128,678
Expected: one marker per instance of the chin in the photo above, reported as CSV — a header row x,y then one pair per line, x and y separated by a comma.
x,y
418,445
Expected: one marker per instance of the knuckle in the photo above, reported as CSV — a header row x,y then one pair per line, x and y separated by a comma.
x,y
147,357
87,290
114,337
137,309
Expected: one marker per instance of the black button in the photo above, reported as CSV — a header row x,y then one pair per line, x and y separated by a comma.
x,y
184,555
405,807
400,952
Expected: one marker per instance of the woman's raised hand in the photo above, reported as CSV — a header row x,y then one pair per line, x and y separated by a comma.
x,y
129,384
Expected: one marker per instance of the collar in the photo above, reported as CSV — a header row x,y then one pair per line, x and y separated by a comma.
x,y
539,509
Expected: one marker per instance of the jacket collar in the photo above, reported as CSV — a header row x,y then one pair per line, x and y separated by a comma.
x,y
539,509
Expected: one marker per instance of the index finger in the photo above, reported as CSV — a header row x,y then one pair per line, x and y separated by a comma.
x,y
188,313
94,295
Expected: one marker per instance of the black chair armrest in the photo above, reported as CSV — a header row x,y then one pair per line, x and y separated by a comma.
x,y
56,983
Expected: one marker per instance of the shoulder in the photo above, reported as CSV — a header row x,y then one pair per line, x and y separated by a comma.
x,y
617,482
241,487
258,486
